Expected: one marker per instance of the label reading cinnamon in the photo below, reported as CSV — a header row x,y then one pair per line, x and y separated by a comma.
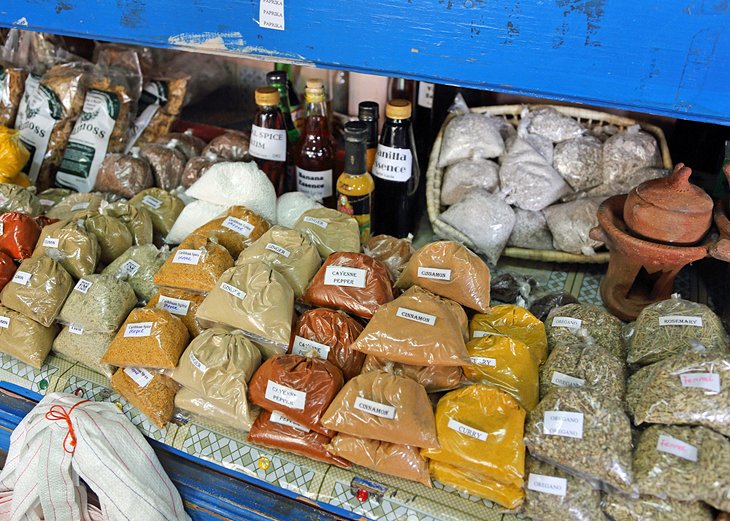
x,y
375,408
285,396
278,249
238,225
434,273
306,347
416,316
466,430
672,445
342,276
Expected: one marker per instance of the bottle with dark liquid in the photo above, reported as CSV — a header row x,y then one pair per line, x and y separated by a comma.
x,y
315,154
278,80
355,184
396,173
368,111
268,144
401,88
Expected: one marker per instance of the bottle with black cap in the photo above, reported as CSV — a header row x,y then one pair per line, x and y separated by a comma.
x,y
355,185
367,111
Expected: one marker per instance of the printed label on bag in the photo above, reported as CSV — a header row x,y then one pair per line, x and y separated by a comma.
x,y
570,323
76,330
46,202
483,360
31,85
393,164
466,430
425,94
130,267
2,226
677,447
233,290
271,15
680,320
547,484
267,143
285,396
36,124
138,329
141,377
375,408
305,347
315,221
152,202
22,278
560,423
140,124
707,381
191,257
4,322
341,276
197,363
316,185
481,334
434,273
174,305
50,242
281,419
565,380
239,226
79,206
416,316
278,249
83,286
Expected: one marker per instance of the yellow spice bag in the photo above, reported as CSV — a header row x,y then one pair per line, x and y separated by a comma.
x,y
13,155
515,322
476,484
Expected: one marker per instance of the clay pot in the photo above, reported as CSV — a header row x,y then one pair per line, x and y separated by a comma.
x,y
670,209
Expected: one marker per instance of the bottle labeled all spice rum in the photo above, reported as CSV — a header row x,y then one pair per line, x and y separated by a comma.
x,y
355,185
268,144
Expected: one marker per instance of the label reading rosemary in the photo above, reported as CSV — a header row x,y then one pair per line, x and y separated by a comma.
x,y
680,320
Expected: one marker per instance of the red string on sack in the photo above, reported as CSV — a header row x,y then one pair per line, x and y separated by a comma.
x,y
58,412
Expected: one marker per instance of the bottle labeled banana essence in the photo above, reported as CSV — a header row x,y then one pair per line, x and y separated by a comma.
x,y
355,185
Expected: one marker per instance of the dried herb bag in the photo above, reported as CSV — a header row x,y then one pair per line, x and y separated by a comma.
x,y
14,198
85,347
564,324
515,322
647,508
138,266
98,303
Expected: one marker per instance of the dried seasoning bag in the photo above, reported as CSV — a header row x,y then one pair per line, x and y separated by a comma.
x,y
51,197
384,407
256,299
195,265
13,154
18,235
276,431
579,161
85,347
200,407
476,484
434,378
647,508
564,324
217,366
351,282
470,136
554,495
551,124
690,388
237,229
113,236
167,164
163,206
7,270
666,328
507,364
124,175
329,230
137,220
181,303
138,266
530,231
230,146
328,334
515,322
196,167
417,328
151,392
584,434
12,85
450,270
299,387
570,225
98,303
400,461
14,198
625,153
464,176
289,253
150,337
77,206
684,463
71,245
38,290
186,142
24,338
391,251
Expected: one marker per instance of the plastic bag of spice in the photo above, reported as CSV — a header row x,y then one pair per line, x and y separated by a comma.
x,y
200,407
7,269
647,508
138,266
417,328
113,236
434,378
71,245
515,322
13,154
14,198
150,392
462,177
570,224
85,347
77,206
351,282
18,235
231,146
167,164
450,270
470,136
289,253
237,229
196,265
186,142
98,303
299,387
51,197
124,175
384,407
400,461
12,80
163,206
38,290
329,230
196,167
565,324
181,303
137,220
24,338
394,253
328,334
475,483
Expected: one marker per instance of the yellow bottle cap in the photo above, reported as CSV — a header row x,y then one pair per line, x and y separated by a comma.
x,y
314,91
315,83
266,96
398,109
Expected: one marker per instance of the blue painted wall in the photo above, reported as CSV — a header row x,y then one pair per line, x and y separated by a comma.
x,y
660,56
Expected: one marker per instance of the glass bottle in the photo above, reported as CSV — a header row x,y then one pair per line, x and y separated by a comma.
x,y
297,110
368,111
268,144
401,88
340,91
355,185
278,80
315,154
396,173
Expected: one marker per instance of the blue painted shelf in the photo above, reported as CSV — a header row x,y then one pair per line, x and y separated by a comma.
x,y
659,56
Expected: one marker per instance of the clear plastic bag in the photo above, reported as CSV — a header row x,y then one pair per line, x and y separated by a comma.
x,y
71,245
98,303
470,136
51,197
186,142
236,229
530,231
163,207
196,265
124,175
330,231
473,483
137,220
24,338
570,225
579,162
138,266
564,324
621,508
434,378
84,347
151,392
14,198
231,146
113,236
181,303
515,322
19,235
544,304
465,176
551,124
625,153
190,218
391,251
196,167
167,164
77,206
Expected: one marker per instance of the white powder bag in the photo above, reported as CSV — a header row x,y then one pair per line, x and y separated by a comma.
x,y
570,224
531,231
551,124
193,216
470,136
464,176
290,206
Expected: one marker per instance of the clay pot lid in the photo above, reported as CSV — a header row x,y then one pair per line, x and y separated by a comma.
x,y
675,193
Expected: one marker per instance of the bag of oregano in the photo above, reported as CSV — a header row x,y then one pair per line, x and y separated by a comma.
x,y
647,508
564,323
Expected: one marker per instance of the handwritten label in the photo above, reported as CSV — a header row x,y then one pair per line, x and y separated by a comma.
x,y
672,445
75,329
130,267
341,276
680,320
393,164
281,419
79,206
191,257
278,249
22,278
547,484
564,380
267,143
141,377
305,347
233,290
315,221
466,430
483,360
152,202
4,322
50,242
197,363
416,316
481,334
138,329
271,14
570,323
238,225
375,408
285,396
707,381
434,273
83,286
560,423
174,305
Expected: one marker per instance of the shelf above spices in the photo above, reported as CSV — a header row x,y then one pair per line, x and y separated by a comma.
x,y
657,56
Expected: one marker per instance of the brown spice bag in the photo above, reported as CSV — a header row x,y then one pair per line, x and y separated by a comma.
x,y
77,206
196,265
449,269
384,407
181,303
329,230
394,253
150,392
236,230
351,282
164,208
299,387
25,339
434,378
71,245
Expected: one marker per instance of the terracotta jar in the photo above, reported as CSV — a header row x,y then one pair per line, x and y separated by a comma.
x,y
670,209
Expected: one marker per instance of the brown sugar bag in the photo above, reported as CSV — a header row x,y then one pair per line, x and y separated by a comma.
x,y
25,339
276,431
299,387
328,334
329,230
236,230
71,245
401,461
181,303
351,282
137,220
394,253
434,378
163,206
450,270
150,392
152,338
384,407
417,328
195,265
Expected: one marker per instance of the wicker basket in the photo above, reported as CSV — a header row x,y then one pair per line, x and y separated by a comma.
x,y
511,113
